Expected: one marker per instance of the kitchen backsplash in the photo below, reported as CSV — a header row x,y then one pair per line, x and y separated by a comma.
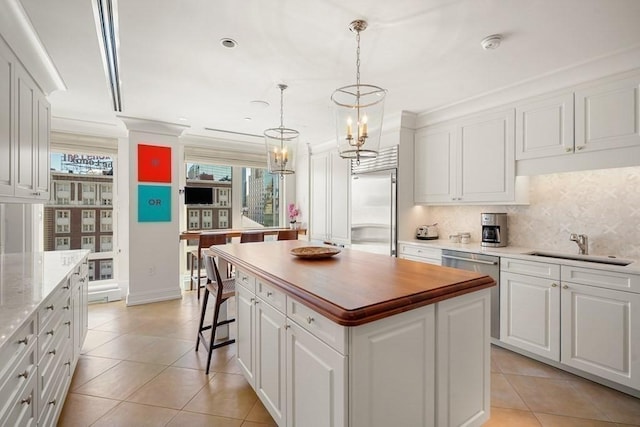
x,y
603,204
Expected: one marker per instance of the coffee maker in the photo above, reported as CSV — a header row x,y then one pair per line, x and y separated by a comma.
x,y
494,229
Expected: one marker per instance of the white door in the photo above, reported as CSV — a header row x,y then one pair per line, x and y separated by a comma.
x,y
339,183
318,219
245,323
270,379
316,381
434,166
25,147
42,159
530,314
601,333
7,122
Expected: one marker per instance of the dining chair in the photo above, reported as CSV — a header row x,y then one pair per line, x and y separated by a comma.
x,y
287,235
221,290
253,236
198,274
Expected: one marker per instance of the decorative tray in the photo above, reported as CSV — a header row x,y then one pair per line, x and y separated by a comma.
x,y
314,252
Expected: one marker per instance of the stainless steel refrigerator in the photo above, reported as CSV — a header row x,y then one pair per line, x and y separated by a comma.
x,y
373,204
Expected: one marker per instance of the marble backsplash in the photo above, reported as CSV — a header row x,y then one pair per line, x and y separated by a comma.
x,y
603,204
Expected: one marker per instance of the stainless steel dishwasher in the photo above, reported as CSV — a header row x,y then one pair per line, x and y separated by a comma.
x,y
482,264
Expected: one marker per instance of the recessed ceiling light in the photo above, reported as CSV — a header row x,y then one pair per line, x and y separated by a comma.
x,y
258,104
491,42
247,119
228,43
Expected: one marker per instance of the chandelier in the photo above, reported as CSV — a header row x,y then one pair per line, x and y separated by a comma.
x,y
358,111
281,144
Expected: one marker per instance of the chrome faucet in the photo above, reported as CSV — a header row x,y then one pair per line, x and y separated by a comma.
x,y
583,242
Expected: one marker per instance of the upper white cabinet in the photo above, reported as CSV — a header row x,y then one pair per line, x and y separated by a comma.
x,y
544,127
608,115
24,134
329,214
470,160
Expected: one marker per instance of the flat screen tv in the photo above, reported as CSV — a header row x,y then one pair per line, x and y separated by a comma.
x,y
198,196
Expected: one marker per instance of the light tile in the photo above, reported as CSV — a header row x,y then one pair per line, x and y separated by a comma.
x,y
132,414
163,351
226,395
123,346
89,367
193,419
501,417
548,420
259,414
121,381
172,388
96,339
503,394
198,359
80,410
512,363
554,396
617,406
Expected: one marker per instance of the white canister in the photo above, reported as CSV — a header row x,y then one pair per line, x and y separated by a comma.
x,y
454,238
465,237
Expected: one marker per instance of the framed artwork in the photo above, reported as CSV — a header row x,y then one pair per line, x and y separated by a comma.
x,y
154,203
154,163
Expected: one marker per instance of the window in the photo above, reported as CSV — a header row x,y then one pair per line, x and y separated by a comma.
x,y
106,269
63,243
88,194
261,198
207,219
63,221
223,218
92,270
106,221
88,221
194,219
106,194
106,243
88,242
62,193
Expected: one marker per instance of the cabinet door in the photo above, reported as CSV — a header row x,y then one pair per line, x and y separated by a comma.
x,y
270,380
339,182
318,219
41,148
25,147
7,122
608,115
316,381
601,333
530,314
245,323
545,127
487,161
434,166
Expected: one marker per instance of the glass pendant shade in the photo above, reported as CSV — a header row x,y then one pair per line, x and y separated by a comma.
x,y
359,110
281,144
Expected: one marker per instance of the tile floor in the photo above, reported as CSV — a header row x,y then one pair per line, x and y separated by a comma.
x,y
139,368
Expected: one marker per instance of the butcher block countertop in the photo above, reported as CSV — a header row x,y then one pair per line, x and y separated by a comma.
x,y
352,287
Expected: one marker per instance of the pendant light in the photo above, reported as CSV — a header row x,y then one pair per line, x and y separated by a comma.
x,y
281,143
358,111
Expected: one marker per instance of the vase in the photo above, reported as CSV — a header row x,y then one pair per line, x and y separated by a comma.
x,y
293,225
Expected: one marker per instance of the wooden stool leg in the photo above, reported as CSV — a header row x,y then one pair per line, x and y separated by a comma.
x,y
214,324
205,299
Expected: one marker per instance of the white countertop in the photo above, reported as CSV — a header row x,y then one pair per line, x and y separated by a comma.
x,y
523,253
24,284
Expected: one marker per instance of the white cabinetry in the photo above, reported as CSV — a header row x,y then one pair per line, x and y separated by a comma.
x,y
470,160
580,317
420,253
544,127
24,132
329,211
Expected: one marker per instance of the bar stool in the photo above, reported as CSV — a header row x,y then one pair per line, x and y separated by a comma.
x,y
254,236
287,235
221,290
198,273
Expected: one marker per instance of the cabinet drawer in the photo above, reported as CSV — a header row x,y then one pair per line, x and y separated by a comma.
x,y
56,304
604,279
272,295
51,396
23,410
324,329
245,279
56,330
530,268
431,254
15,382
16,347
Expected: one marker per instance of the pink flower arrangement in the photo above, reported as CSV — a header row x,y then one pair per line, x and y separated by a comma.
x,y
293,212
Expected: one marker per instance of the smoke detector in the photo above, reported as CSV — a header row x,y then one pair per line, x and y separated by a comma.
x,y
491,42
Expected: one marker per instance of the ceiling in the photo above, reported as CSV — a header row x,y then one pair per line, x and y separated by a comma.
x,y
426,53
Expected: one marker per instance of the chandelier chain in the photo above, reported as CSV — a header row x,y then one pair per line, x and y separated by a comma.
x,y
281,107
358,59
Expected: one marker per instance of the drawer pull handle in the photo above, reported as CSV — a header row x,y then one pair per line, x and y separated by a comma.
x,y
66,307
52,352
565,287
52,402
50,307
67,363
66,287
24,374
244,278
554,285
27,401
287,326
68,323
310,319
24,341
50,332
269,293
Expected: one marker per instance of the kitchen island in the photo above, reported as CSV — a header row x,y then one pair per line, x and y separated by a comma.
x,y
361,339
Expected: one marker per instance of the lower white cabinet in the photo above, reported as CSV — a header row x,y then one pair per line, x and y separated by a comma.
x,y
581,317
420,253
425,367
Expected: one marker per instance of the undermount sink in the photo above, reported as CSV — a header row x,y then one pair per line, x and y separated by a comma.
x,y
611,260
